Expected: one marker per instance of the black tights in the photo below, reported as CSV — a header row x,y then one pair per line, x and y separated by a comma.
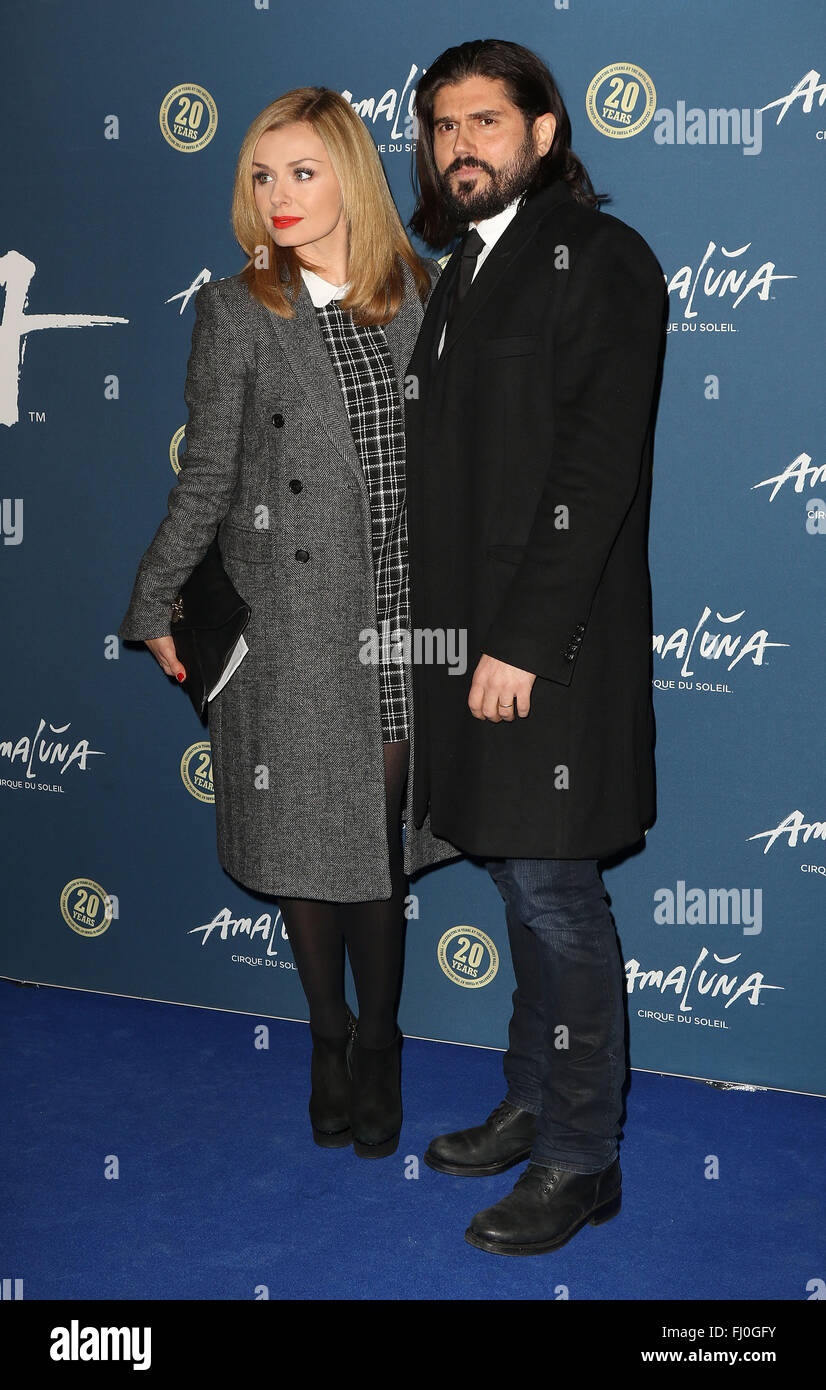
x,y
373,933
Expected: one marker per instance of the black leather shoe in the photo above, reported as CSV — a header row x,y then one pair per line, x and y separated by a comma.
x,y
331,1088
504,1139
376,1108
546,1207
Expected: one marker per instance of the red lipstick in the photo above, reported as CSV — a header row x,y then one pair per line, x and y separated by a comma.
x,y
285,221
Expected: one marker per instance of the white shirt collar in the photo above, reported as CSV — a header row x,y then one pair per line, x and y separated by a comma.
x,y
321,291
491,228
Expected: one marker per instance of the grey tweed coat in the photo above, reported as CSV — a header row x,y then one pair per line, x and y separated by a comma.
x,y
296,732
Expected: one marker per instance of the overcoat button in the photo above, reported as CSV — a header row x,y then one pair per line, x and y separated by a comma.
x,y
302,555
296,485
278,420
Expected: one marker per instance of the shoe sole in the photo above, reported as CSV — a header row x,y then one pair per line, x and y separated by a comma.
x,y
339,1139
598,1217
382,1150
481,1170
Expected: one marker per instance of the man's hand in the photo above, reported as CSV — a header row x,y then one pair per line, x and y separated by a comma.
x,y
494,688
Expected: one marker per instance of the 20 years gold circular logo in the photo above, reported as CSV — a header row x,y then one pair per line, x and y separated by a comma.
x,y
468,957
188,117
620,100
174,448
85,907
196,771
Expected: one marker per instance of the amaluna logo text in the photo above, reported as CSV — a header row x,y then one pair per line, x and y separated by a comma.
x,y
16,273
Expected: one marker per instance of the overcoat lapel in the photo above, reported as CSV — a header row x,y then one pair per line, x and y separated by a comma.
x,y
403,330
424,360
513,241
300,339
516,237
305,351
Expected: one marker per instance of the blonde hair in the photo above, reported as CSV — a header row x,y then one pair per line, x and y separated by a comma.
x,y
377,240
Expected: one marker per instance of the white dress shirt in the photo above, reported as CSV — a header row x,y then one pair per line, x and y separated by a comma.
x,y
490,230
321,291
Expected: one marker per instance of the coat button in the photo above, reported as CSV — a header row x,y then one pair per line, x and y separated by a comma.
x,y
302,555
278,420
296,485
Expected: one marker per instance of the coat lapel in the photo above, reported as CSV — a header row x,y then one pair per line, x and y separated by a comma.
x,y
447,285
516,236
306,353
300,339
402,331
423,360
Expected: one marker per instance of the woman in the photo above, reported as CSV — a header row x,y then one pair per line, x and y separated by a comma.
x,y
295,452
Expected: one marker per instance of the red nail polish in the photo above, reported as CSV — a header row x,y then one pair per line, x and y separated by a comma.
x,y
179,676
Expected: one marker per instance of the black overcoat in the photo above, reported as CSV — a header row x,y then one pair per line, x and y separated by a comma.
x,y
529,455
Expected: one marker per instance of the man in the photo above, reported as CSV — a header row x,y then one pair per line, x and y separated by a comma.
x,y
529,459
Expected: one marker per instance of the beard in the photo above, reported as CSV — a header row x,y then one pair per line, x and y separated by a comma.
x,y
503,185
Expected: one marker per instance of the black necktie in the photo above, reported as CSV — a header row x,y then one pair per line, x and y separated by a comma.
x,y
471,246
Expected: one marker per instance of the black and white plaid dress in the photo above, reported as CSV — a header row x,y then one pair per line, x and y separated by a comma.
x,y
362,360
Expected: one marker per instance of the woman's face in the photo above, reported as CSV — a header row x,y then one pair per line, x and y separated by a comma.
x,y
296,189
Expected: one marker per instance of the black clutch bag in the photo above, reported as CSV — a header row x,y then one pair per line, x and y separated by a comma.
x,y
208,616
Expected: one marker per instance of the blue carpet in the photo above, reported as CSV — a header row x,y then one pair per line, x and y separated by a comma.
x,y
220,1189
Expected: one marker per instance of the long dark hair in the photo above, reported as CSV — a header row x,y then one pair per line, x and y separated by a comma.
x,y
531,88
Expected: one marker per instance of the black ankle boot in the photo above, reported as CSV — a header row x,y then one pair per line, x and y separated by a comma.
x,y
376,1109
330,1095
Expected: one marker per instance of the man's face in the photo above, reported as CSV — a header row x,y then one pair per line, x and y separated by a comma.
x,y
485,155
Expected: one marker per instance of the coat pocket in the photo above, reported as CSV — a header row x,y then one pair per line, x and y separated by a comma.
x,y
254,545
511,554
520,346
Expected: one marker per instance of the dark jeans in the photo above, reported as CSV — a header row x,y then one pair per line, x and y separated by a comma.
x,y
566,1057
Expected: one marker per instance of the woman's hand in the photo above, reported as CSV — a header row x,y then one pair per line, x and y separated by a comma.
x,y
163,649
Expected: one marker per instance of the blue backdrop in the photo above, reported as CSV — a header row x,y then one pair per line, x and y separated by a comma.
x,y
706,123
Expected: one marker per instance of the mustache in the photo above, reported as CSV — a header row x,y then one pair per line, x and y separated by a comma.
x,y
463,164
